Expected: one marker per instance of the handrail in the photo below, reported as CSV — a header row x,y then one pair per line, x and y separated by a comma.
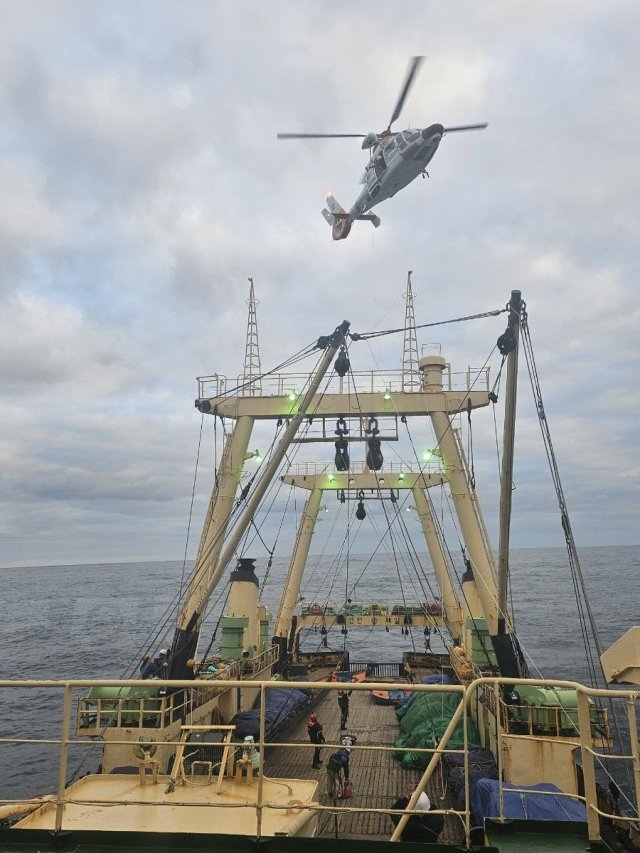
x,y
466,696
361,381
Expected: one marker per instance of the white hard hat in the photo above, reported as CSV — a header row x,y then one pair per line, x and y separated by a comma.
x,y
423,803
163,651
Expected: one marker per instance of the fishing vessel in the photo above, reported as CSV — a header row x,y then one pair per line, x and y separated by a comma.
x,y
207,747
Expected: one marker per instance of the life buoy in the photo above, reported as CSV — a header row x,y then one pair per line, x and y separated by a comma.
x,y
315,609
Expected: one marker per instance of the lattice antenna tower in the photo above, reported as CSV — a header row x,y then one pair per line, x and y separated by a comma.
x,y
252,369
411,379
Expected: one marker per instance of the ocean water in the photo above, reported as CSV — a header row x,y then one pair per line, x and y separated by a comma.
x,y
92,621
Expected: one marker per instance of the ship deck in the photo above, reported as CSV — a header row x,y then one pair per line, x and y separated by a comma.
x,y
378,779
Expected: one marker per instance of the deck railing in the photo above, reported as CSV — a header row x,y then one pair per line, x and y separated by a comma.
x,y
96,714
359,381
467,695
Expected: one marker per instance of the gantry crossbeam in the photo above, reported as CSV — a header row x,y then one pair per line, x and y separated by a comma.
x,y
334,405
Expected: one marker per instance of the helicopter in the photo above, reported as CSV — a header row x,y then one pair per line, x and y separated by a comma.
x,y
396,159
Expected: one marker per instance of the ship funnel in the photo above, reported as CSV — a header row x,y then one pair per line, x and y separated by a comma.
x,y
244,602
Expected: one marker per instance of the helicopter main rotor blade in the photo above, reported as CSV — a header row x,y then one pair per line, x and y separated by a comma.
x,y
414,66
466,127
321,135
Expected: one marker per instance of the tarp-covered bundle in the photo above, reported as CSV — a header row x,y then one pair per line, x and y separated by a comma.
x,y
424,722
281,705
482,765
522,803
434,678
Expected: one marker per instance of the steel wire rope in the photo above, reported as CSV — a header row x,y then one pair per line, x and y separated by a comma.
x,y
288,362
322,553
310,419
305,427
410,544
392,553
193,492
289,461
443,539
583,604
174,605
112,718
364,336
347,534
346,542
450,427
196,578
565,714
377,479
275,542
337,563
402,525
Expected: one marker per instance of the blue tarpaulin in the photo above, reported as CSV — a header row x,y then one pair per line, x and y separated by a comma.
x,y
522,803
435,678
281,704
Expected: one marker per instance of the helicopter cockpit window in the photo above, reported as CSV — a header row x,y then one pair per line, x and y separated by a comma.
x,y
410,135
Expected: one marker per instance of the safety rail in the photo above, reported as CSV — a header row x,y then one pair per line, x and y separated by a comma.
x,y
97,714
554,720
371,608
355,382
373,668
309,469
216,668
468,699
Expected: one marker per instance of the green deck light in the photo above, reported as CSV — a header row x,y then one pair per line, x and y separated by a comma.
x,y
292,395
387,395
257,456
427,454
332,479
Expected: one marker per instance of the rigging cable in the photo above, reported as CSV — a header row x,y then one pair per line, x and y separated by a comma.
x,y
365,336
585,612
193,493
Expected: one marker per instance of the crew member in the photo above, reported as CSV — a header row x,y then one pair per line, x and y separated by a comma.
x,y
420,827
156,668
315,736
343,702
337,766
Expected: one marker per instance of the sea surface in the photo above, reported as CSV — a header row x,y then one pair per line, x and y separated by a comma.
x,y
93,621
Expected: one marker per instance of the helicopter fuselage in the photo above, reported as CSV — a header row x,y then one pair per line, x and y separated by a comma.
x,y
396,161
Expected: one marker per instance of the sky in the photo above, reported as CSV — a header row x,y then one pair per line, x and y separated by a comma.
x,y
142,184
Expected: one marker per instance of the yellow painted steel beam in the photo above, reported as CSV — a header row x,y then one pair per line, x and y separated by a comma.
x,y
335,405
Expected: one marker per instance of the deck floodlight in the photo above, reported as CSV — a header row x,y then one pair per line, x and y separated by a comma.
x,y
428,453
401,477
292,395
332,479
386,395
257,455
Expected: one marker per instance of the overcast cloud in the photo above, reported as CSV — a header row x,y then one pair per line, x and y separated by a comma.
x,y
142,183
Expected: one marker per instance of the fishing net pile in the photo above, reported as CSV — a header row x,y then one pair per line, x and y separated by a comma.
x,y
424,720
